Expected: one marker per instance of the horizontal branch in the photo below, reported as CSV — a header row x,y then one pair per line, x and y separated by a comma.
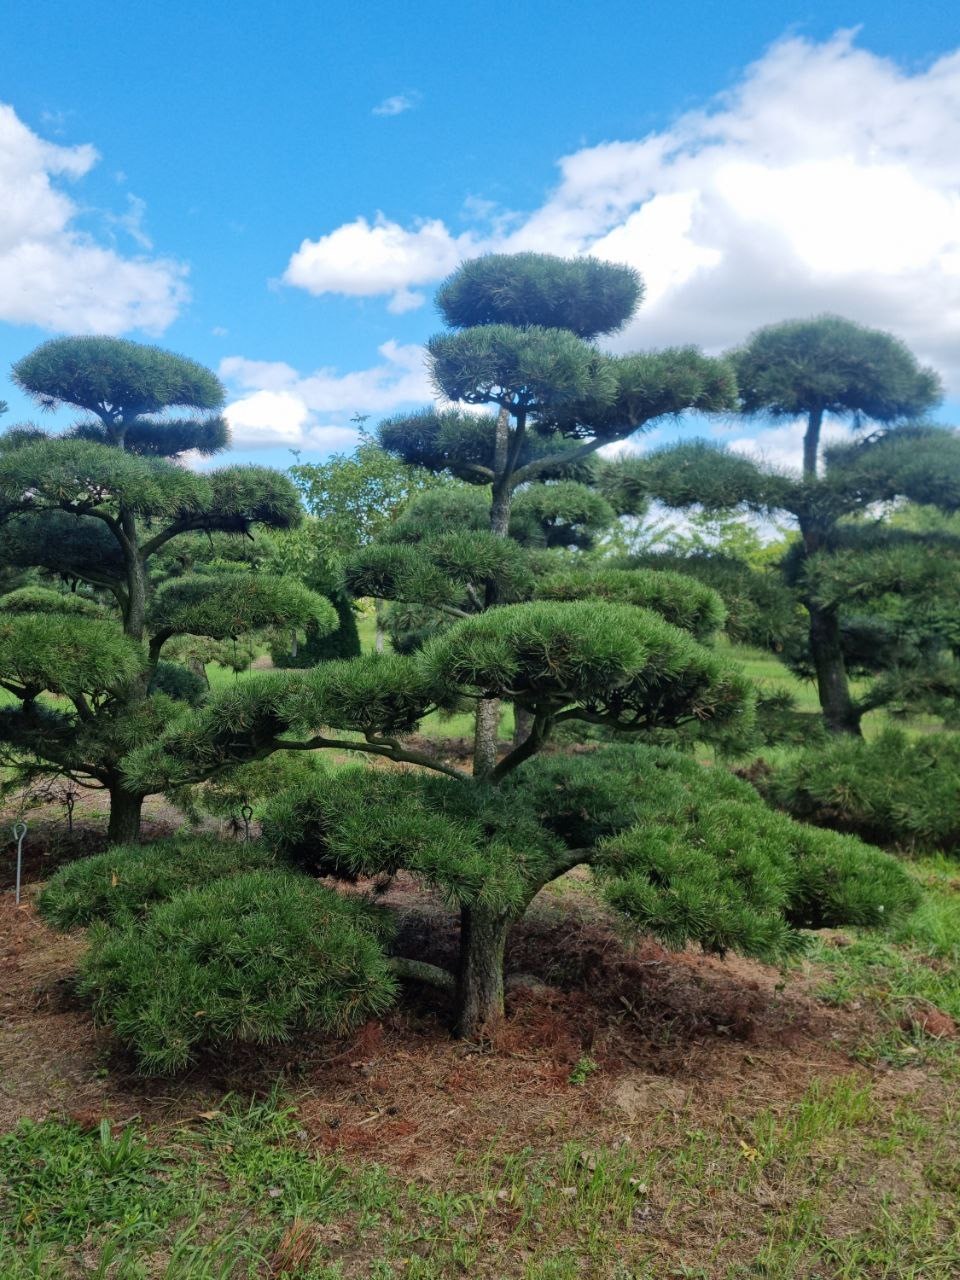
x,y
388,748
421,971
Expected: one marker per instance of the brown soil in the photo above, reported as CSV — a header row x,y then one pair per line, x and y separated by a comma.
x,y
666,1031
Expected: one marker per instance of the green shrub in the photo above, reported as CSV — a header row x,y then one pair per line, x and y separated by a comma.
x,y
257,783
692,854
179,682
318,645
125,882
249,959
891,791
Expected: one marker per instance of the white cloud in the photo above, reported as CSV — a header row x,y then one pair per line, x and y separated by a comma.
x,y
279,406
826,179
268,419
365,259
56,276
397,104
782,446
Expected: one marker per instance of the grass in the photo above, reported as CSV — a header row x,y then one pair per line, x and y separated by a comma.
x,y
802,1191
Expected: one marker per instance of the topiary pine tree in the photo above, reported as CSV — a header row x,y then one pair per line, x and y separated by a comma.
x,y
814,368
880,601
521,339
96,508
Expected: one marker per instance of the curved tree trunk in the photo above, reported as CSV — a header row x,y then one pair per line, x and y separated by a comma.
x,y
840,713
483,937
125,808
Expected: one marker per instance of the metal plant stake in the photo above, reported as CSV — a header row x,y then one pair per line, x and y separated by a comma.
x,y
19,831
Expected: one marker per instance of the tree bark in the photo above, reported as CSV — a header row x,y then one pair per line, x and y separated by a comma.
x,y
125,807
378,633
840,714
483,938
486,725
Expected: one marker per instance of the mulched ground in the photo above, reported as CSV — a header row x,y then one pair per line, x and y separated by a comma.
x,y
680,1032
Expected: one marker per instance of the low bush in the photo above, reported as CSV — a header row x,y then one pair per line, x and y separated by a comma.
x,y
892,791
252,958
122,884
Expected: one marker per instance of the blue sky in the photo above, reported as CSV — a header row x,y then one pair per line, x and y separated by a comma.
x,y
275,190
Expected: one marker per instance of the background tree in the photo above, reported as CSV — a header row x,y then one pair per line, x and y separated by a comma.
x,y
94,509
353,498
815,368
880,599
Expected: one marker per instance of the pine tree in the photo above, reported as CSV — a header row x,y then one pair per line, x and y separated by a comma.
x,y
880,600
95,509
689,854
829,366
521,339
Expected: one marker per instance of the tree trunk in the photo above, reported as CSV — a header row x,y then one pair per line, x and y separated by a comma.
x,y
125,806
811,443
378,633
483,938
522,725
486,726
839,711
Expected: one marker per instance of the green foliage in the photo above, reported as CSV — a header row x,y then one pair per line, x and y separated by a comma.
x,y
394,571
832,365
319,645
613,664
691,854
68,545
564,513
229,604
83,477
115,377
228,792
178,682
682,600
357,497
123,884
760,608
548,369
167,439
68,654
892,790
244,496
585,295
648,385
378,693
253,958
46,600
473,844
703,474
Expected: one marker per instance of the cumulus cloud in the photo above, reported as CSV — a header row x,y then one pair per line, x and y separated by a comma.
x,y
397,104
56,276
279,406
824,180
364,259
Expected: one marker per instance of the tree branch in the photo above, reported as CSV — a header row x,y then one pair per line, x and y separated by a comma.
x,y
421,971
542,725
387,747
